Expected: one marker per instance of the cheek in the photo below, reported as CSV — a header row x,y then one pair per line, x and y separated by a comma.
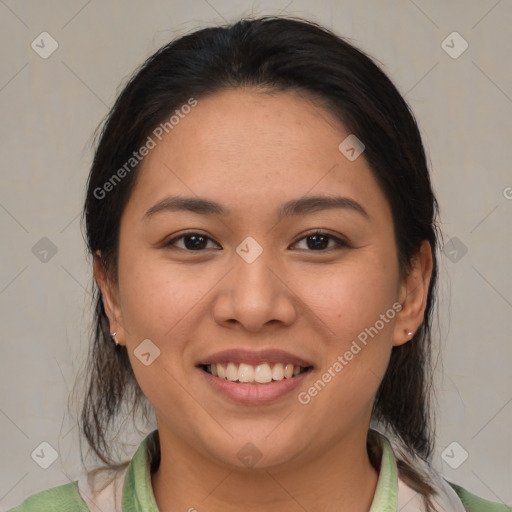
x,y
160,302
351,296
355,303
157,296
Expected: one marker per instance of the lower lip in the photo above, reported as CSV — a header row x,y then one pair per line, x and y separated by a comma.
x,y
254,393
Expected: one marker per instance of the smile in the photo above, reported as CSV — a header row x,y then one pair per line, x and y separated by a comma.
x,y
250,374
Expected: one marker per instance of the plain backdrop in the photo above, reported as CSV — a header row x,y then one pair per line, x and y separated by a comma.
x,y
51,106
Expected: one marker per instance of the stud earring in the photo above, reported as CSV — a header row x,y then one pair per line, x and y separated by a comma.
x,y
409,333
113,336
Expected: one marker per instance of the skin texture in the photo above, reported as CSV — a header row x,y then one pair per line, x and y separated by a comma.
x,y
251,151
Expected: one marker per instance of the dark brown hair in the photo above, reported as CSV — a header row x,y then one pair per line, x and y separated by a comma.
x,y
281,54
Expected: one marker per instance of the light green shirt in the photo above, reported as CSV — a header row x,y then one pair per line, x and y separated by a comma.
x,y
391,494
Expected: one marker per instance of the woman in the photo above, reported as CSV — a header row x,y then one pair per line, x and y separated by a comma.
x,y
263,230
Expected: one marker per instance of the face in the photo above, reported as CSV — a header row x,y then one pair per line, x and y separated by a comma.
x,y
296,299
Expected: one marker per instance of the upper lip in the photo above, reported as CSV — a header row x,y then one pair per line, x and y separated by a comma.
x,y
254,357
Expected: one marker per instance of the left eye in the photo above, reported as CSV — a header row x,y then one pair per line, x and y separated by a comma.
x,y
320,241
317,241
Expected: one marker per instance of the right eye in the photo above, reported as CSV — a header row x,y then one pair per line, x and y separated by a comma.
x,y
192,241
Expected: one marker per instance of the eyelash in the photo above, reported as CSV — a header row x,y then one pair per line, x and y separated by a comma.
x,y
340,243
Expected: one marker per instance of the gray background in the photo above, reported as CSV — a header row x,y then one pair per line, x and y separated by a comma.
x,y
50,108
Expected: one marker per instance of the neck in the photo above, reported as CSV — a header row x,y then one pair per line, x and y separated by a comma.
x,y
341,479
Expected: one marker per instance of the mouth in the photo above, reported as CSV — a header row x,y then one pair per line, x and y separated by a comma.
x,y
254,374
254,377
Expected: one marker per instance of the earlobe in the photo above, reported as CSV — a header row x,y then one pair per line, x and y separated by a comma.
x,y
413,295
109,297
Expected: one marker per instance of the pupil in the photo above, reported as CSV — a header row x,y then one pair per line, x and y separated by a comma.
x,y
198,244
315,245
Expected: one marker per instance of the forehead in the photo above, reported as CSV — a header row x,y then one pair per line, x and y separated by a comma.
x,y
248,148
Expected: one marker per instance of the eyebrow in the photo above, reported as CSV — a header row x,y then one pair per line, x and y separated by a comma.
x,y
295,207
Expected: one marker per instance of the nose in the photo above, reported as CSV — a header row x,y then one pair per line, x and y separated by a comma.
x,y
256,295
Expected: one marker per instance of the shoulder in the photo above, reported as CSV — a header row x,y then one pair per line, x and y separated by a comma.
x,y
99,490
473,503
448,496
57,499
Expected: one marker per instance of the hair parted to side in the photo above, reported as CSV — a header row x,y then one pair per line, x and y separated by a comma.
x,y
281,54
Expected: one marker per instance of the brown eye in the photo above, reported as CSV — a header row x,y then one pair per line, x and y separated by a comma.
x,y
191,242
319,241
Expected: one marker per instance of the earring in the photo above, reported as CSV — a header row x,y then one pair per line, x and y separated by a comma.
x,y
113,336
409,333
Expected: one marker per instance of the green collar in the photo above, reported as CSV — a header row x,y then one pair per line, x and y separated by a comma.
x,y
138,492
385,498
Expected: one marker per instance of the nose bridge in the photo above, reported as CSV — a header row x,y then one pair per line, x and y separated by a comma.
x,y
255,294
253,280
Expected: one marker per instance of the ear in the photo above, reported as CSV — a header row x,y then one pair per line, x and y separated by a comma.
x,y
413,293
110,297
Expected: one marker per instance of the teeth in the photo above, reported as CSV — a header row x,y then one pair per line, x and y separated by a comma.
x,y
231,372
245,373
278,372
262,373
